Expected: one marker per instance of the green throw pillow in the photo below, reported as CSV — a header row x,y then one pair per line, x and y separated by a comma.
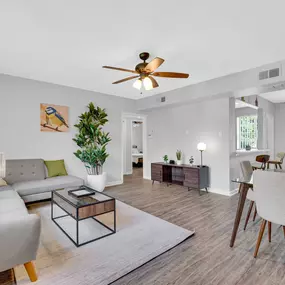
x,y
55,168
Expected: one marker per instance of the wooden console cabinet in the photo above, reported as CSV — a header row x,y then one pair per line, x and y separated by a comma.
x,y
196,176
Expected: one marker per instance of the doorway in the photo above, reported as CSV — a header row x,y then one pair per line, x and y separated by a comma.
x,y
134,146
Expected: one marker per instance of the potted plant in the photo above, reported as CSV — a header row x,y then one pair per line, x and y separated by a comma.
x,y
92,141
165,158
179,157
191,160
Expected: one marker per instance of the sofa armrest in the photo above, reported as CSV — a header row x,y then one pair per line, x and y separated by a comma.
x,y
19,238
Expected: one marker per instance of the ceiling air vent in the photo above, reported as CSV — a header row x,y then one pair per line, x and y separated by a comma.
x,y
162,99
266,74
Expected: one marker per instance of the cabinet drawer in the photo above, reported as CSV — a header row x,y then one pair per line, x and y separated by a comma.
x,y
192,183
156,172
191,177
188,172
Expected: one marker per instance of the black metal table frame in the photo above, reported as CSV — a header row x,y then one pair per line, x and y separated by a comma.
x,y
76,243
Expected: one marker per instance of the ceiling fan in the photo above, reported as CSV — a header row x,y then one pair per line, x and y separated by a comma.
x,y
145,71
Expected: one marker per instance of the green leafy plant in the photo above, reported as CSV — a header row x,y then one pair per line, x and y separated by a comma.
x,y
91,139
165,158
178,154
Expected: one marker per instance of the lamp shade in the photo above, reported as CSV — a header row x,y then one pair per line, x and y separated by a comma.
x,y
138,84
147,83
201,146
2,165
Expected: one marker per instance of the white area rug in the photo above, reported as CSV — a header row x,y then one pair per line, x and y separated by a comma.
x,y
140,237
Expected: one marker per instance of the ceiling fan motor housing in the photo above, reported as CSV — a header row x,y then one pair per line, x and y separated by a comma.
x,y
140,68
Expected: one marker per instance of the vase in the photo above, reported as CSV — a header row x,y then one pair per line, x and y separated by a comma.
x,y
97,182
179,162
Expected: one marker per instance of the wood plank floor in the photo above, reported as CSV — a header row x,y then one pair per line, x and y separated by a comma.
x,y
205,258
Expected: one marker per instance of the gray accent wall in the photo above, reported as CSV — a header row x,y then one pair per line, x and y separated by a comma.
x,y
20,135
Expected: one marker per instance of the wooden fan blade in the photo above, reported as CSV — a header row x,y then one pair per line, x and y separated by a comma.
x,y
171,74
120,69
126,79
154,64
154,82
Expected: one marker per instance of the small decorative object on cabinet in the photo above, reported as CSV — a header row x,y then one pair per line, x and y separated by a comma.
x,y
179,157
165,158
191,160
201,147
193,177
171,161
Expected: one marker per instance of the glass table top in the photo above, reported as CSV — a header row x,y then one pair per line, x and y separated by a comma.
x,y
249,179
78,202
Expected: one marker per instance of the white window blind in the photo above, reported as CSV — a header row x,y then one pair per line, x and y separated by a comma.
x,y
247,132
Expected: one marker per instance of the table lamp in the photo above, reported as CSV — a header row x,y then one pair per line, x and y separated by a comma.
x,y
2,165
201,147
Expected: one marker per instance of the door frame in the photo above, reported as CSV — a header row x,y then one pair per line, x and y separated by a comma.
x,y
134,117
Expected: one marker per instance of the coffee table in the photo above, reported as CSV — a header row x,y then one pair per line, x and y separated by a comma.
x,y
82,208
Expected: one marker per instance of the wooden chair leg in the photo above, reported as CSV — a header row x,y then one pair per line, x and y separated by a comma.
x,y
260,235
31,270
269,231
284,231
280,166
248,214
255,212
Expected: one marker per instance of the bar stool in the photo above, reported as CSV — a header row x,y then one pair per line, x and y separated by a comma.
x,y
263,159
278,162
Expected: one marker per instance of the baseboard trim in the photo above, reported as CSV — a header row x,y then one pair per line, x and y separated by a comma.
x,y
233,192
211,190
218,191
147,177
114,183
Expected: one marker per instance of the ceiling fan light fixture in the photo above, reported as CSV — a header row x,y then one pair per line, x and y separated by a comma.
x,y
138,84
147,83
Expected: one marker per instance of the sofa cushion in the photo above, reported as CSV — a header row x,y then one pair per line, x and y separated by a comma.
x,y
11,204
55,168
9,194
5,188
20,170
46,185
3,182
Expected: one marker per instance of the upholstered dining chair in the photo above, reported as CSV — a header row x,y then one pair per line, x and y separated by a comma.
x,y
247,171
262,161
269,191
278,161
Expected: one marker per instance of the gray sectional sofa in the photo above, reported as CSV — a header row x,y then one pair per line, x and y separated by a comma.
x,y
19,230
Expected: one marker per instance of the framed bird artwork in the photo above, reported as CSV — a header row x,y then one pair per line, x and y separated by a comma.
x,y
54,118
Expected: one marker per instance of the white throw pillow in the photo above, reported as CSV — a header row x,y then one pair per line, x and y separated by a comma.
x,y
2,182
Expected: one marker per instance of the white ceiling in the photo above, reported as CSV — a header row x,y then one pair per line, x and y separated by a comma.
x,y
67,41
275,97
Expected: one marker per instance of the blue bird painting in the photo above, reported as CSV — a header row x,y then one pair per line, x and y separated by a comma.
x,y
52,119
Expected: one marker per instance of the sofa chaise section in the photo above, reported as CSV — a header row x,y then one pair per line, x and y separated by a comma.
x,y
19,233
28,177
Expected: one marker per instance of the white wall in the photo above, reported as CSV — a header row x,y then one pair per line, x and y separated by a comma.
x,y
127,147
137,136
182,127
280,128
20,123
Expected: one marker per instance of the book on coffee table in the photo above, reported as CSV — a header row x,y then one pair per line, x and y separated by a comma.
x,y
81,192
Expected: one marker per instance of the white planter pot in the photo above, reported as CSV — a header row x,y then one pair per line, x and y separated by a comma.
x,y
97,182
179,162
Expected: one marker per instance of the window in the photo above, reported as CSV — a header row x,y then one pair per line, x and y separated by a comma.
x,y
247,132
